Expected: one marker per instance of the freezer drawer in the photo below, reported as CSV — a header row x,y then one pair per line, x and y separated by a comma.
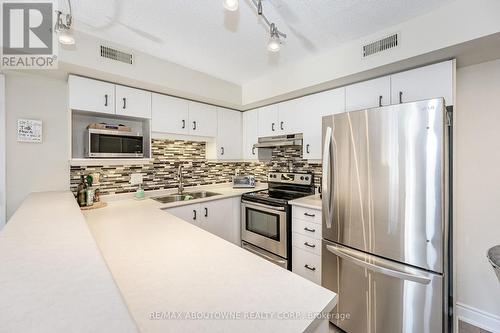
x,y
379,295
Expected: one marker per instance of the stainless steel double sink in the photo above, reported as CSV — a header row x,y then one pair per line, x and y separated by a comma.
x,y
185,196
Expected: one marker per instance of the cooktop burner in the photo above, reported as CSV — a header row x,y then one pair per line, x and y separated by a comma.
x,y
283,187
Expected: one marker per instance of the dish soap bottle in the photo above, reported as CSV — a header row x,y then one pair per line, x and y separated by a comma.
x,y
139,194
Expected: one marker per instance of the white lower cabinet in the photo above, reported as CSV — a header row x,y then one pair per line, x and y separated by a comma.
x,y
306,264
189,213
219,217
306,243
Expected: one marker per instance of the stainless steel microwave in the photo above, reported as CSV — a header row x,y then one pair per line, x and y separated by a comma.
x,y
113,144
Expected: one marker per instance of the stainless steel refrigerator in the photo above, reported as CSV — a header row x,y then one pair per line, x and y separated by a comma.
x,y
385,229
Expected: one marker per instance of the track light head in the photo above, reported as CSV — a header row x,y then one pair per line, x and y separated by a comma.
x,y
231,5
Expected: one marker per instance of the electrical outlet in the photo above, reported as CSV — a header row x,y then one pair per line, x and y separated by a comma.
x,y
135,179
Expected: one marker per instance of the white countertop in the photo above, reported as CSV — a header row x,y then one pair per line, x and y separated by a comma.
x,y
52,276
312,201
189,269
159,263
225,190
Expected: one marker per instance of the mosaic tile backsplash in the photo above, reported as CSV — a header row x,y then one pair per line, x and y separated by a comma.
x,y
168,154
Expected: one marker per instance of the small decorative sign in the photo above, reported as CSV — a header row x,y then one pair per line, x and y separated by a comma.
x,y
29,130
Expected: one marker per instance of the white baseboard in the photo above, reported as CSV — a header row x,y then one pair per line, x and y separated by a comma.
x,y
476,317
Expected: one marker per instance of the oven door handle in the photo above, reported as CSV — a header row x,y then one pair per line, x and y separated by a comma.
x,y
250,203
263,255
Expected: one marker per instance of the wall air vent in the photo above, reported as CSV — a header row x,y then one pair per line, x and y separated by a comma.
x,y
381,45
113,54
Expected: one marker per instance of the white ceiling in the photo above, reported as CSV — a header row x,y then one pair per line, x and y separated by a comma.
x,y
200,34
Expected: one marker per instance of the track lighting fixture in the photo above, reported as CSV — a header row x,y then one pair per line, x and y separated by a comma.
x,y
274,44
63,27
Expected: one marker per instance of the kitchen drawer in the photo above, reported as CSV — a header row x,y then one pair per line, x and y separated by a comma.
x,y
306,264
306,214
306,243
307,228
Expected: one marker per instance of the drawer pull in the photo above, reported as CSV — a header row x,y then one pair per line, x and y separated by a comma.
x,y
310,245
309,267
310,215
310,230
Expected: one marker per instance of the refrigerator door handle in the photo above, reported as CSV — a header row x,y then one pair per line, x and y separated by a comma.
x,y
346,255
325,179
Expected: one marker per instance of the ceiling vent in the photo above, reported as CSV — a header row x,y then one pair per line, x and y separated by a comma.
x,y
113,54
381,45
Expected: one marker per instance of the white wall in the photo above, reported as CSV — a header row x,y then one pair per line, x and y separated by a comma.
x,y
477,192
452,24
2,152
35,167
147,72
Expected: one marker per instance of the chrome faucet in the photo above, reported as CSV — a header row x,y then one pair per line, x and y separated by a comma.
x,y
180,187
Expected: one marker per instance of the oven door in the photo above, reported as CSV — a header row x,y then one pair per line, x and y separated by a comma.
x,y
264,226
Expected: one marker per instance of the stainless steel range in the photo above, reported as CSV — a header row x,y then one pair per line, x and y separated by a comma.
x,y
266,216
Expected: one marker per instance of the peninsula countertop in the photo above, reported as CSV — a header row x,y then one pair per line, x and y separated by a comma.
x,y
52,276
173,276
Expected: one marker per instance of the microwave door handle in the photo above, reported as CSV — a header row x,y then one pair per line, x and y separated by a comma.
x,y
343,253
326,187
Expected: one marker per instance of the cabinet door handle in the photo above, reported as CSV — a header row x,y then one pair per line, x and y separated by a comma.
x,y
309,267
281,126
194,214
307,148
272,127
206,212
183,124
253,150
310,230
194,125
124,103
106,100
309,245
400,97
380,100
310,215
222,150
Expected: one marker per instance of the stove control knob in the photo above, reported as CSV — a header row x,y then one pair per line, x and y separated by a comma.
x,y
307,178
302,178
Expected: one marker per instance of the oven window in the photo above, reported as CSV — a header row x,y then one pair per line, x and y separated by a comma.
x,y
263,223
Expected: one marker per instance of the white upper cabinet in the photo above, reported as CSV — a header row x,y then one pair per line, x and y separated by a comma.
x,y
228,141
91,95
368,94
291,115
202,119
424,83
169,114
317,106
250,134
133,102
268,120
